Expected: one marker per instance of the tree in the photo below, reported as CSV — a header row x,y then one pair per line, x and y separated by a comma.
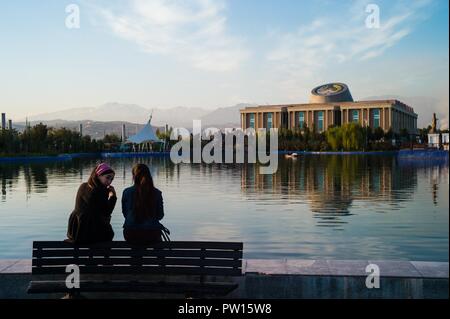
x,y
353,138
378,134
111,138
389,135
404,134
334,138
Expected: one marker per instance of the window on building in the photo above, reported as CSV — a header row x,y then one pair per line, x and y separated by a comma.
x,y
376,118
269,120
252,120
355,116
301,119
320,121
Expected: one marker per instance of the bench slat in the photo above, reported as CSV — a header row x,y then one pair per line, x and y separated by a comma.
x,y
219,289
135,261
174,270
123,244
137,253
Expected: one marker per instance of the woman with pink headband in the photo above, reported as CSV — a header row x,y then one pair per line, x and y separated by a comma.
x,y
90,220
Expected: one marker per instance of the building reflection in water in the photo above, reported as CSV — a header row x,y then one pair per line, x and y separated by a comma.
x,y
331,184
435,171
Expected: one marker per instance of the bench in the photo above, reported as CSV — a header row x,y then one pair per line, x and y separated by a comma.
x,y
189,268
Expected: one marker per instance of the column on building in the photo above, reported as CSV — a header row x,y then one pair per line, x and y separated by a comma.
x,y
308,123
274,119
278,115
364,116
402,120
390,114
307,119
394,119
386,120
261,119
293,120
408,122
405,120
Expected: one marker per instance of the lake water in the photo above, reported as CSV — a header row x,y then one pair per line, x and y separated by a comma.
x,y
335,207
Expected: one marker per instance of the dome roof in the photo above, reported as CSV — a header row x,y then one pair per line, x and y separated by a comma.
x,y
330,93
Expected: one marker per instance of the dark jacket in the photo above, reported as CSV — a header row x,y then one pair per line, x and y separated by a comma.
x,y
90,220
128,213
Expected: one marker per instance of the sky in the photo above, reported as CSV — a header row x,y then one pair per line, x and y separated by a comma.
x,y
217,53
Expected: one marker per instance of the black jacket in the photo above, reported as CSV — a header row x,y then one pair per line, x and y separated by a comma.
x,y
90,220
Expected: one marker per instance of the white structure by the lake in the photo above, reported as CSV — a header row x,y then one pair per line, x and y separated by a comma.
x,y
145,137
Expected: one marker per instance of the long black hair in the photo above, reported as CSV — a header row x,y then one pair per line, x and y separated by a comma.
x,y
144,196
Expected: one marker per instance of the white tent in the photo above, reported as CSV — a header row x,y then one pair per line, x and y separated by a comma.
x,y
144,136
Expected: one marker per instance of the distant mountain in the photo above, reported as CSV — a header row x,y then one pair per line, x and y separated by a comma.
x,y
178,116
224,117
424,106
132,113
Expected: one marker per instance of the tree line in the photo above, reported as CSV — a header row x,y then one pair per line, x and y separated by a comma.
x,y
41,139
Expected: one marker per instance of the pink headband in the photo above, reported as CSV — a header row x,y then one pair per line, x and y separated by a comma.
x,y
101,168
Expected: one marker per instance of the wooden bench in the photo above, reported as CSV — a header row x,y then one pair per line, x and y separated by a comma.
x,y
122,267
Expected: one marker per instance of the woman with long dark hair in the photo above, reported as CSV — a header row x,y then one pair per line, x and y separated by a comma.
x,y
142,207
95,202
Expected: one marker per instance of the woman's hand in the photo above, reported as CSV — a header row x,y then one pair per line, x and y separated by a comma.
x,y
112,192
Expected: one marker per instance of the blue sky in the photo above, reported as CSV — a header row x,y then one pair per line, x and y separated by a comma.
x,y
215,53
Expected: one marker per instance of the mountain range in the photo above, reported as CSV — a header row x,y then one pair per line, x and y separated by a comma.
x,y
98,121
132,113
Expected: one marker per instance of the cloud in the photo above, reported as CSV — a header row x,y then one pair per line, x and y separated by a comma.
x,y
191,31
341,38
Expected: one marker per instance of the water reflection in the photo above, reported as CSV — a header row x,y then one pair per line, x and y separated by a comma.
x,y
331,184
35,176
344,207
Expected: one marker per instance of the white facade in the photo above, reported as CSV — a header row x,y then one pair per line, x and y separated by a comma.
x,y
433,140
445,138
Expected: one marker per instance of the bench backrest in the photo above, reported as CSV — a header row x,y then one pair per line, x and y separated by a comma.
x,y
182,258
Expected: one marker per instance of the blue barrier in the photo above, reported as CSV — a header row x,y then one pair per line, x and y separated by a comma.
x,y
404,154
21,159
430,153
134,154
69,157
